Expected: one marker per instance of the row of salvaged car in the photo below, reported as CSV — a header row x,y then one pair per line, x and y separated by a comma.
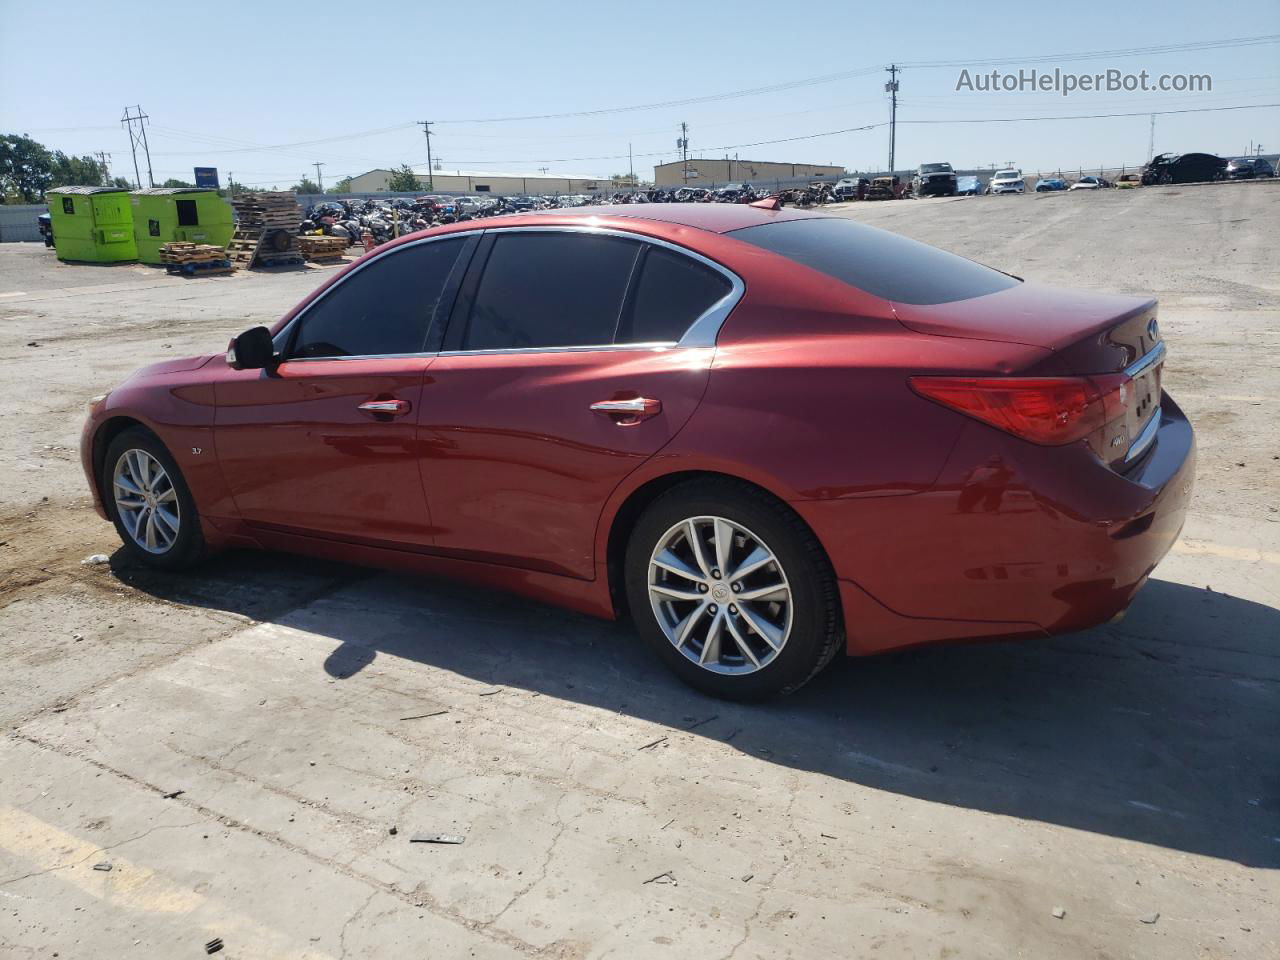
x,y
939,179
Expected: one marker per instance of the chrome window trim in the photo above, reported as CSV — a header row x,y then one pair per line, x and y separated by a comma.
x,y
581,348
287,329
1147,360
701,333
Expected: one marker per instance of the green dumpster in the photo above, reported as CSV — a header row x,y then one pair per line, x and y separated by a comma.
x,y
165,214
93,224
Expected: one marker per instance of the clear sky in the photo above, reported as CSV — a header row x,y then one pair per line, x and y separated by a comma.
x,y
264,89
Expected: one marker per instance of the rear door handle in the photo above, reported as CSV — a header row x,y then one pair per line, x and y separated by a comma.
x,y
391,408
625,412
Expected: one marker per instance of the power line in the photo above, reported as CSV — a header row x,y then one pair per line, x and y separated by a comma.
x,y
874,126
1154,50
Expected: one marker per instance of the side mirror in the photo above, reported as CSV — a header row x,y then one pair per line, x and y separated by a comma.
x,y
252,350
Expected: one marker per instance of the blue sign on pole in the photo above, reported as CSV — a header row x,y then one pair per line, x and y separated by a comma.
x,y
207,177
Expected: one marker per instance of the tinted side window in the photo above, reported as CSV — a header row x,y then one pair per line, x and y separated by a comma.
x,y
673,292
550,290
387,307
883,264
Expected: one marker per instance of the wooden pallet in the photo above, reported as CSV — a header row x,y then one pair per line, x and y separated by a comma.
x,y
322,248
185,252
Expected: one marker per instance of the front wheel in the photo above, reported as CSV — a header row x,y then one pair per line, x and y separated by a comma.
x,y
732,590
149,502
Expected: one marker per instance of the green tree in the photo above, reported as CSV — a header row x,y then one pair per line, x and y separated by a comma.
x,y
342,186
306,185
121,182
403,180
176,183
26,168
625,178
74,171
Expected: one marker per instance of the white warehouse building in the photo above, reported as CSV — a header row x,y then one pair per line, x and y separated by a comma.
x,y
485,181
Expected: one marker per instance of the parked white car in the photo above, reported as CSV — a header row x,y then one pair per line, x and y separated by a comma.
x,y
1007,181
1089,183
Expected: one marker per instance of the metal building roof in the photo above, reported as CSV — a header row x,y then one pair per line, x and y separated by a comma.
x,y
166,191
86,191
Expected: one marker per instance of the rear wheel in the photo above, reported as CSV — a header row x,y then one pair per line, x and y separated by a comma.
x,y
150,503
732,590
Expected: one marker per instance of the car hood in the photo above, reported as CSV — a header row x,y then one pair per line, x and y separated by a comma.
x,y
178,365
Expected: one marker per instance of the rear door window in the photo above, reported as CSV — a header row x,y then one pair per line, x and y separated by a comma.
x,y
672,292
552,289
883,264
392,305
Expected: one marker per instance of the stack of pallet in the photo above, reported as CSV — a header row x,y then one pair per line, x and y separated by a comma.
x,y
192,259
266,230
322,248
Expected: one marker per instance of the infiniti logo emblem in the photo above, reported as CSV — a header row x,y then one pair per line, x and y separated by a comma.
x,y
1153,329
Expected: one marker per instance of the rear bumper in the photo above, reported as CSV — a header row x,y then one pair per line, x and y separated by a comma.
x,y
1013,540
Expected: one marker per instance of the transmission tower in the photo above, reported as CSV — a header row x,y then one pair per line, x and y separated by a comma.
x,y
136,136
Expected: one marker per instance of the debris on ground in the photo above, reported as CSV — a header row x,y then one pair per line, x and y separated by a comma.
x,y
436,838
490,693
747,878
393,830
423,716
654,744
174,793
702,723
1059,913
213,946
1150,918
95,560
665,877
104,866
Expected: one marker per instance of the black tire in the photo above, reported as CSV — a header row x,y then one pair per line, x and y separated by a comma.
x,y
188,546
816,634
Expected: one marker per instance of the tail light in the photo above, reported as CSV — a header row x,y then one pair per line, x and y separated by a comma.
x,y
1045,410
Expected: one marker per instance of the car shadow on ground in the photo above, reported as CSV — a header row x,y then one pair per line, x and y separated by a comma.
x,y
1163,729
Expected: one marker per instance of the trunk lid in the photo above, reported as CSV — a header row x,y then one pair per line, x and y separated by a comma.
x,y
1114,340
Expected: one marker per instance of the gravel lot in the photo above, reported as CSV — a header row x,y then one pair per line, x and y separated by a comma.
x,y
251,748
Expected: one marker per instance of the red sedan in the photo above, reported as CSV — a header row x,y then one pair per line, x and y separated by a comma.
x,y
769,436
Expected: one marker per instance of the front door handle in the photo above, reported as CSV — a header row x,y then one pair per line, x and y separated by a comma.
x,y
627,412
386,408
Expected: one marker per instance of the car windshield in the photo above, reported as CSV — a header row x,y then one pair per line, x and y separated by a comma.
x,y
883,264
1008,175
935,168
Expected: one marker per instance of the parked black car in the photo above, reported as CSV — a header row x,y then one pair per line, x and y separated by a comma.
x,y
1250,168
934,180
1184,168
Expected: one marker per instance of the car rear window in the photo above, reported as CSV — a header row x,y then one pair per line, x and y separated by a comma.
x,y
883,264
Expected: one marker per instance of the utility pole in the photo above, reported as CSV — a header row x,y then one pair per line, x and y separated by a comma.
x,y
682,143
426,129
319,178
892,89
231,184
631,167
136,136
1151,140
106,170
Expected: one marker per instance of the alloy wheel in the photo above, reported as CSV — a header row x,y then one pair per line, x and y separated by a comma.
x,y
146,501
720,595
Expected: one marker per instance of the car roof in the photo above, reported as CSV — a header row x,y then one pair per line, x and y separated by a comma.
x,y
714,218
